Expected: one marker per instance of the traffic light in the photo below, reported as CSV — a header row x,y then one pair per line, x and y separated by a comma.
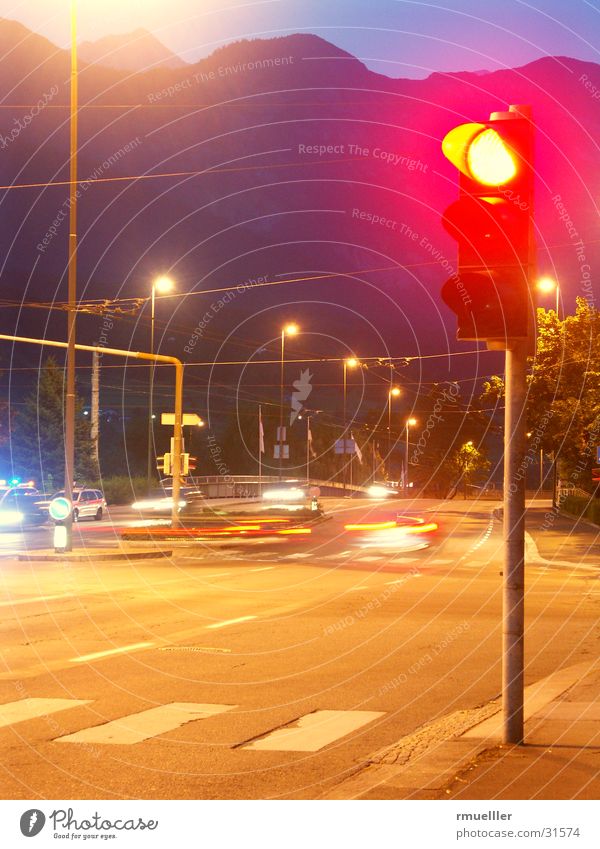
x,y
188,464
492,221
163,464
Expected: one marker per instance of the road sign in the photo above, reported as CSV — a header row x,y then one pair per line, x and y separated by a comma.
x,y
191,419
60,508
598,453
350,446
285,454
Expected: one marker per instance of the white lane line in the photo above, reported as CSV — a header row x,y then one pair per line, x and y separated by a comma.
x,y
226,622
13,712
141,726
262,569
315,730
367,559
35,599
95,655
337,556
353,589
439,562
298,555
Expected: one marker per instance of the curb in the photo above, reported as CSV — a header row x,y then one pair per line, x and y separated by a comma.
x,y
429,758
76,557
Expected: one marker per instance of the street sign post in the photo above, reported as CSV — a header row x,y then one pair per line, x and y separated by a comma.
x,y
187,419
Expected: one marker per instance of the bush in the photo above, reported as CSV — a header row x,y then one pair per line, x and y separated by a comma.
x,y
121,489
586,508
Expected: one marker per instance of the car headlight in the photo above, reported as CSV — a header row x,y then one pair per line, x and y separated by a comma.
x,y
10,517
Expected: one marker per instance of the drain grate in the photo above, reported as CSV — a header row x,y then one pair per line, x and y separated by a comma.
x,y
203,649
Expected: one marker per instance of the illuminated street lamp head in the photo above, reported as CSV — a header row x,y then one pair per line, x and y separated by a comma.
x,y
394,392
352,362
163,284
469,444
411,422
547,285
291,329
481,154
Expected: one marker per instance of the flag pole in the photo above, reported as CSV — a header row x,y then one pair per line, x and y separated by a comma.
x,y
260,448
308,450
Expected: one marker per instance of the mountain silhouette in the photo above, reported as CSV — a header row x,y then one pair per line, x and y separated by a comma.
x,y
278,159
134,51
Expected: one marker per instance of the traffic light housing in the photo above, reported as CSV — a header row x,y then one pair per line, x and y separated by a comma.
x,y
164,464
188,464
492,222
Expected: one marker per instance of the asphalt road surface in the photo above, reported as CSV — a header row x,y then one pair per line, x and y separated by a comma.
x,y
269,670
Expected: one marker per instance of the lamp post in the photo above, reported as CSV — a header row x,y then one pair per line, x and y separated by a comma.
x,y
349,362
290,329
394,392
547,285
409,423
162,285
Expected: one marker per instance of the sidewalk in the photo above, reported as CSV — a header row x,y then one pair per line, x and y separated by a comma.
x,y
461,756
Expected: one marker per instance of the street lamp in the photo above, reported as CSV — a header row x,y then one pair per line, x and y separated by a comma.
x,y
409,423
547,285
290,329
349,362
161,285
393,393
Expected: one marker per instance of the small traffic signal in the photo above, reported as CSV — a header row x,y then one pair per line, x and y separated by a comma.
x,y
492,224
164,464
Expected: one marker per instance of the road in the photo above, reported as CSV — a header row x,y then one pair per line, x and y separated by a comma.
x,y
271,670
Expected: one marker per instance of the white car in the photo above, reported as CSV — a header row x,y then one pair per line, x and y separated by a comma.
x,y
87,503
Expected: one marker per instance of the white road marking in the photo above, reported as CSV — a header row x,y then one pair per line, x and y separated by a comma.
x,y
141,726
95,655
298,555
262,569
13,712
315,730
35,599
440,562
337,556
353,589
367,559
226,622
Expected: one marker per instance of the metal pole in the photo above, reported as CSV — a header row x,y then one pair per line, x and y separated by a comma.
x,y
281,406
138,355
308,450
514,543
260,444
344,429
541,469
150,393
95,410
406,464
72,284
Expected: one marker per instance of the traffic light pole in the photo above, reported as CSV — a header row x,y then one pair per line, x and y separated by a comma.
x,y
513,609
138,355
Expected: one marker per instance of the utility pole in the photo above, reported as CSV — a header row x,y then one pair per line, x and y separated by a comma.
x,y
95,409
72,285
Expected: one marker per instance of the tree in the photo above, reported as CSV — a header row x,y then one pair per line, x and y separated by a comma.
x,y
470,465
37,440
563,404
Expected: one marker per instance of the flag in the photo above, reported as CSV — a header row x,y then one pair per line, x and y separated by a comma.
x,y
261,433
313,453
357,450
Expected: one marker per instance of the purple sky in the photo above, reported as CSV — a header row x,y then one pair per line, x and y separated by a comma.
x,y
400,38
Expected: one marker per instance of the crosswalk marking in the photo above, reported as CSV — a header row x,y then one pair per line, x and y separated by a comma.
x,y
34,600
149,723
13,712
226,622
314,731
440,562
109,652
338,555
